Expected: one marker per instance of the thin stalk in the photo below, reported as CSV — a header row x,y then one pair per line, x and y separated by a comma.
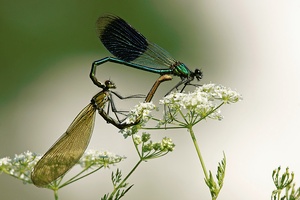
x,y
55,194
76,179
198,152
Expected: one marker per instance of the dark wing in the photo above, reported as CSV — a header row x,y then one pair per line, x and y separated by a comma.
x,y
67,150
127,44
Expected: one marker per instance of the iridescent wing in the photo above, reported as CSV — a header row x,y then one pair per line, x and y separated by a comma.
x,y
127,44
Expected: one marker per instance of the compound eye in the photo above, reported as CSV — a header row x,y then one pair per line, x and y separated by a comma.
x,y
198,74
108,82
198,71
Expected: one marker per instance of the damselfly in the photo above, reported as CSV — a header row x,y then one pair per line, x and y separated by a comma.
x,y
69,148
131,48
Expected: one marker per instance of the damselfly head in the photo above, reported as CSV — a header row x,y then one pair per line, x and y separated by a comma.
x,y
109,84
198,74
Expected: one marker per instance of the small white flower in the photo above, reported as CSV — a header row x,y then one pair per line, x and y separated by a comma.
x,y
5,161
93,158
167,144
137,139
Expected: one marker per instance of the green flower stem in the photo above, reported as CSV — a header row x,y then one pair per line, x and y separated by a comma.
x,y
124,180
76,178
198,151
56,194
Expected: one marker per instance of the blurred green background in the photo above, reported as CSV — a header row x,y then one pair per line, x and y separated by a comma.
x,y
37,34
47,48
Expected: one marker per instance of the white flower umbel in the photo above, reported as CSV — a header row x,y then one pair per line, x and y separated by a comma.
x,y
195,106
147,150
20,166
184,110
93,158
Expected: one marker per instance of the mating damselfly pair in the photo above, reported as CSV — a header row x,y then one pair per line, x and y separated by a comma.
x,y
130,48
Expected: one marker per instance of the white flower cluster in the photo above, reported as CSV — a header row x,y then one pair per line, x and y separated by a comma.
x,y
141,112
167,144
93,158
20,166
193,107
137,139
203,102
149,149
220,92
